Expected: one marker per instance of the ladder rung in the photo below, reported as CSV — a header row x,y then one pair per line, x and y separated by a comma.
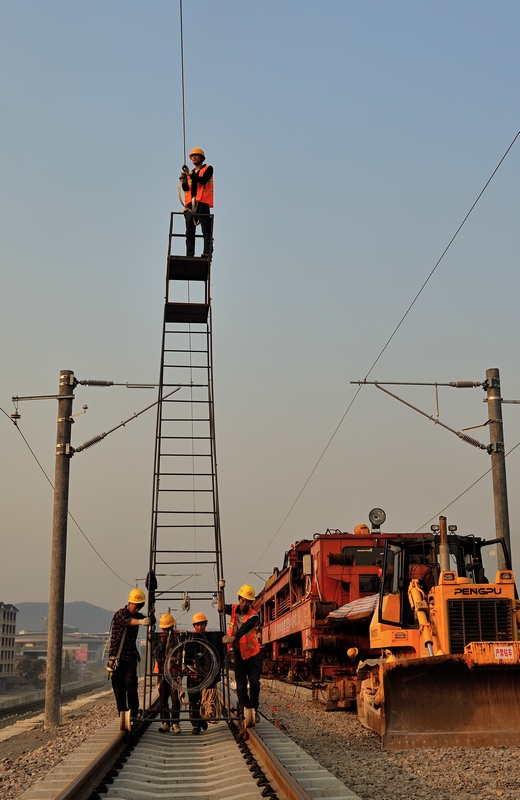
x,y
184,563
186,474
184,386
185,419
186,511
180,594
185,366
198,438
184,527
177,350
185,551
188,399
205,491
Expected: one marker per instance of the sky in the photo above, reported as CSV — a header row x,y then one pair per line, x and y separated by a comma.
x,y
349,142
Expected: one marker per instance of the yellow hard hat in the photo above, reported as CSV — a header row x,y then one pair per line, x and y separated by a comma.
x,y
166,621
137,596
361,529
198,151
199,617
247,592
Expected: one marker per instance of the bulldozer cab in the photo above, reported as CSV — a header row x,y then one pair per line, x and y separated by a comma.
x,y
404,560
418,558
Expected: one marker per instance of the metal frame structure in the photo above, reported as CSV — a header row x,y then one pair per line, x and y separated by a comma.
x,y
185,542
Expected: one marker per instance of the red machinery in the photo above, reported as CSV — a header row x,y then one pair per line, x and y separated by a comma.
x,y
300,641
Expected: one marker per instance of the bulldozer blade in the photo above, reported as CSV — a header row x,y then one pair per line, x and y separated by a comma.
x,y
448,701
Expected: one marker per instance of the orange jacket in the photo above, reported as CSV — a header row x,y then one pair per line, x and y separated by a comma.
x,y
204,190
248,643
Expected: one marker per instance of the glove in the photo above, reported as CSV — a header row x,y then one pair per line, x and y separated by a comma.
x,y
221,583
228,639
111,666
145,621
182,176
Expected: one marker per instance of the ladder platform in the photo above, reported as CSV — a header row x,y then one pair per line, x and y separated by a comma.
x,y
188,268
186,312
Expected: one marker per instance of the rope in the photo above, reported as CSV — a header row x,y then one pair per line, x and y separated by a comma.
x,y
179,190
182,84
211,705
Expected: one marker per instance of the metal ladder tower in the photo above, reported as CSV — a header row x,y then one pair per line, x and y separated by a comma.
x,y
185,544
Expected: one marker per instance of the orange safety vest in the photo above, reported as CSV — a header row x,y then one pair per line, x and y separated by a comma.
x,y
248,643
204,190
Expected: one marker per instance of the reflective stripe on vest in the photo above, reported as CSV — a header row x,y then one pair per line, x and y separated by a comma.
x,y
248,643
204,190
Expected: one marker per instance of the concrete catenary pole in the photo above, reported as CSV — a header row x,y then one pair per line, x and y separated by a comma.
x,y
498,457
59,549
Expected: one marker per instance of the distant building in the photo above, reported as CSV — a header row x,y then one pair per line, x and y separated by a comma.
x,y
85,648
8,614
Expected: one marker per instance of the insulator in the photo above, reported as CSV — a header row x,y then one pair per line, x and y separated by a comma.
x,y
96,383
470,440
465,384
91,442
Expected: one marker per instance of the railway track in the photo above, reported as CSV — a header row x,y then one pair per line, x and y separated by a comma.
x,y
217,765
13,713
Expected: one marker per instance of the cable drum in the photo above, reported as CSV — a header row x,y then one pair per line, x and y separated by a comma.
x,y
191,665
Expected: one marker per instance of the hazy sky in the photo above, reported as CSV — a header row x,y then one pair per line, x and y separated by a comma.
x,y
349,141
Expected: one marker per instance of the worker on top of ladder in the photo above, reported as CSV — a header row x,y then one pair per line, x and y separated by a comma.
x,y
197,185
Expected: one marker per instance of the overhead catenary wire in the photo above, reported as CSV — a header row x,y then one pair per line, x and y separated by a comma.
x,y
436,516
76,523
387,343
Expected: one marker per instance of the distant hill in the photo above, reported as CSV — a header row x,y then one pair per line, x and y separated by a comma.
x,y
84,617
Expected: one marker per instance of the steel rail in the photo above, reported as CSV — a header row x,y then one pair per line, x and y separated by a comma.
x,y
83,784
286,785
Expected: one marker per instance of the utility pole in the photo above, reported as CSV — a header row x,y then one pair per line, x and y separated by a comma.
x,y
64,452
59,549
498,457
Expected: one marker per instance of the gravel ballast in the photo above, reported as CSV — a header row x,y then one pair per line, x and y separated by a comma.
x,y
352,753
336,740
31,755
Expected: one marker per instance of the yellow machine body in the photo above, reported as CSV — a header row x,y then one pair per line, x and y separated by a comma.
x,y
449,674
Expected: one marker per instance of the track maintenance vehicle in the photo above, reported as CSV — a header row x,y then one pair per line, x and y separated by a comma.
x,y
446,625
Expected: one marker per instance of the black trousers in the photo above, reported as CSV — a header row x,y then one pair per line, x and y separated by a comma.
x,y
124,684
166,693
248,670
206,224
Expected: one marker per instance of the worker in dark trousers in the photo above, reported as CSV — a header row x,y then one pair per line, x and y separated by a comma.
x,y
123,655
200,661
162,644
197,185
242,640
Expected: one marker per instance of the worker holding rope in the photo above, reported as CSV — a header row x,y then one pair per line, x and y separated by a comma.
x,y
197,186
242,641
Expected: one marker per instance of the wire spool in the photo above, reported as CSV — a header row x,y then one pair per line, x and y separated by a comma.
x,y
195,659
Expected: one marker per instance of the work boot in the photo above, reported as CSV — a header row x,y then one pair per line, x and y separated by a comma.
x,y
176,728
165,727
204,725
195,730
